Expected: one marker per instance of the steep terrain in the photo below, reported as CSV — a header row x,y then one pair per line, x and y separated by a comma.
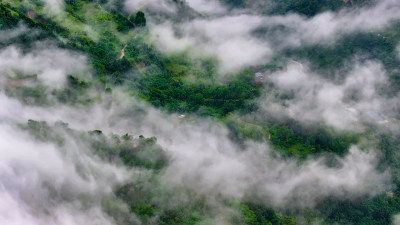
x,y
199,112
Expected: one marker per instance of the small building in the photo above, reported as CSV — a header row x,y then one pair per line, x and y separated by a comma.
x,y
31,14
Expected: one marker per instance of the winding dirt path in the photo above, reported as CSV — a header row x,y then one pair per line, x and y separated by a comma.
x,y
122,52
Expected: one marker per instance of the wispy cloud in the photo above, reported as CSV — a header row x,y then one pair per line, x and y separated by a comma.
x,y
49,63
230,36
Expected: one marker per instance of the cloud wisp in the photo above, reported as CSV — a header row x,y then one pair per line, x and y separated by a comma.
x,y
50,64
242,38
43,182
345,105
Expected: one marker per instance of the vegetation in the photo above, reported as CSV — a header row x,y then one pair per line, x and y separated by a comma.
x,y
312,7
177,83
307,8
378,46
139,20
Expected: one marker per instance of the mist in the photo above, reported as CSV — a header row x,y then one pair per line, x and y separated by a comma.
x,y
204,159
344,105
52,173
50,64
231,35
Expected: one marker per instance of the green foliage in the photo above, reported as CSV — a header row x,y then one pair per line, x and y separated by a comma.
x,y
302,141
179,84
29,95
148,199
75,83
235,3
43,132
291,137
372,211
376,210
123,24
242,130
104,57
248,215
256,214
72,5
173,93
139,19
8,18
145,153
141,152
163,83
179,216
379,46
176,69
144,210
308,7
74,92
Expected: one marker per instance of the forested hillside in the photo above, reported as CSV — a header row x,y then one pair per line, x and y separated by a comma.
x,y
199,112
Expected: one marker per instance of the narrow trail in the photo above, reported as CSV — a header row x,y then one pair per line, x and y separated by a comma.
x,y
122,52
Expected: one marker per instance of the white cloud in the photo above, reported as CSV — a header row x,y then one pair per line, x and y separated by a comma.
x,y
206,161
207,6
54,7
229,35
328,26
9,34
342,105
41,182
50,64
155,6
46,183
396,219
398,51
228,38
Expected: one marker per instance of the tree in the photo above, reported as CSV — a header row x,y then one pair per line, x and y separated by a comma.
x,y
140,19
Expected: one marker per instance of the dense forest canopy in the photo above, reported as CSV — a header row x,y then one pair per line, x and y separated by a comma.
x,y
200,112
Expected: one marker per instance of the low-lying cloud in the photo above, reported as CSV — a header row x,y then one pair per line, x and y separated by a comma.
x,y
208,163
228,38
203,160
234,36
42,182
49,63
306,96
